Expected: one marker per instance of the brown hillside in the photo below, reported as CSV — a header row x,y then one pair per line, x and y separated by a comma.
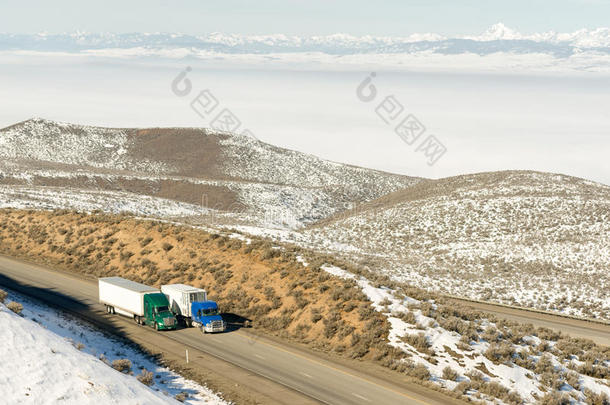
x,y
192,152
256,281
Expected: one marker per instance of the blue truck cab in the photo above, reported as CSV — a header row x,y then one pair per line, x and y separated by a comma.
x,y
191,307
205,314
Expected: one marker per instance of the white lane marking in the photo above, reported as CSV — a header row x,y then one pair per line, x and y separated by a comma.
x,y
305,374
361,397
259,356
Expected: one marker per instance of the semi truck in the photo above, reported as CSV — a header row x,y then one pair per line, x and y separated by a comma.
x,y
191,305
146,305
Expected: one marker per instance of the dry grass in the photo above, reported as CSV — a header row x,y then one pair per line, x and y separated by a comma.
x,y
555,398
281,296
596,399
492,389
419,372
255,281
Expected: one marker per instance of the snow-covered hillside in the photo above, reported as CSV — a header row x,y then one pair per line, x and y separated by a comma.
x,y
49,141
182,171
532,239
483,359
48,357
257,161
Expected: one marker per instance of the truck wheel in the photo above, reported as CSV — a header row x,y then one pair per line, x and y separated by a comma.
x,y
156,326
189,323
203,329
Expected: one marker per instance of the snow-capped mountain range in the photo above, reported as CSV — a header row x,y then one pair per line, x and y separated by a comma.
x,y
498,38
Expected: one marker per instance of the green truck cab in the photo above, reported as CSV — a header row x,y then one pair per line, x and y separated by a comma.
x,y
145,304
157,313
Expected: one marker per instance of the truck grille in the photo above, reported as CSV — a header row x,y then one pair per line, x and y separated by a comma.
x,y
217,325
169,321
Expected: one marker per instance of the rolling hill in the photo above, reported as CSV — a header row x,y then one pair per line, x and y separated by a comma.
x,y
181,172
534,239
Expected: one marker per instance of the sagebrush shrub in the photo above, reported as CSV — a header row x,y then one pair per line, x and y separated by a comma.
x,y
450,374
419,342
500,352
555,398
122,365
420,372
15,307
146,377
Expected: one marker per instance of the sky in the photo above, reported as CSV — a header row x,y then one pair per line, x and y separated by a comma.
x,y
301,17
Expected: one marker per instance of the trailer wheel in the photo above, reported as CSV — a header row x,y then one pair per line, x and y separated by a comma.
x,y
113,312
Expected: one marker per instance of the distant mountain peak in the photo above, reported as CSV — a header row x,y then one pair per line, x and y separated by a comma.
x,y
499,31
179,151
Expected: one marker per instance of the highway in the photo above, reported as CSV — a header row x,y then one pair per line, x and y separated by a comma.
x,y
261,370
255,369
596,331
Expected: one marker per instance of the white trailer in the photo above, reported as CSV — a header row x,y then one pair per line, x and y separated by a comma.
x,y
124,296
180,297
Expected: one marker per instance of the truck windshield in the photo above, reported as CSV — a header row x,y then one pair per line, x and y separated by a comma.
x,y
161,309
210,311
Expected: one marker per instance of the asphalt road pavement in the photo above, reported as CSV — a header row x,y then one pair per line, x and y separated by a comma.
x,y
267,369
